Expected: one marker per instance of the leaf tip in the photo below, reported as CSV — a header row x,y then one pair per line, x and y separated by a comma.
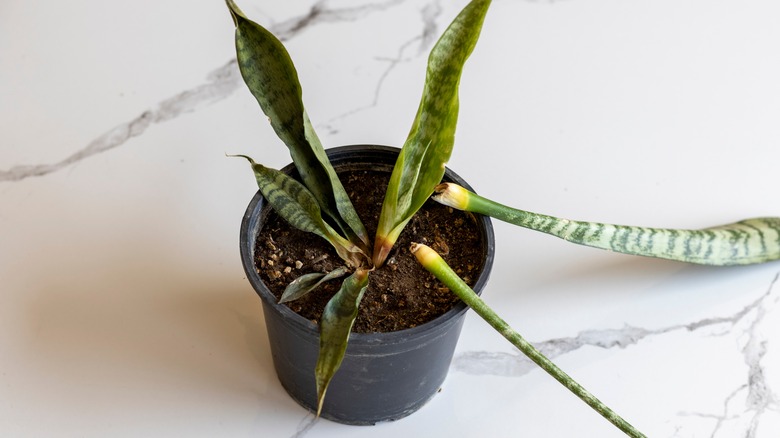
x,y
320,402
235,12
322,387
240,156
255,166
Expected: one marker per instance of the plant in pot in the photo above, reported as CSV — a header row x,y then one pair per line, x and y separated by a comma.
x,y
319,195
382,376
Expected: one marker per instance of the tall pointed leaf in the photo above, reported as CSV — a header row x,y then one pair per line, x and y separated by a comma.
x,y
336,323
295,204
271,77
420,166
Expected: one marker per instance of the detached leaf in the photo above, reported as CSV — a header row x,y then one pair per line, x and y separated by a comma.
x,y
420,166
308,282
749,241
433,262
271,77
337,321
295,204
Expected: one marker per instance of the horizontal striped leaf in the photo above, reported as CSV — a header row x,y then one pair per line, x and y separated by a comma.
x,y
308,282
745,242
270,75
420,165
336,323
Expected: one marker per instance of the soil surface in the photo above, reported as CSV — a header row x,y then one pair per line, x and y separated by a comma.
x,y
401,294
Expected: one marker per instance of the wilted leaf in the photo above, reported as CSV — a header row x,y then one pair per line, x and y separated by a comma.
x,y
308,282
336,323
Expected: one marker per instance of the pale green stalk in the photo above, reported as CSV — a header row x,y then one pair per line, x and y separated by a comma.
x,y
745,242
439,268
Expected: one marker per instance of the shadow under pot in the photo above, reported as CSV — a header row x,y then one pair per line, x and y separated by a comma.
x,y
384,376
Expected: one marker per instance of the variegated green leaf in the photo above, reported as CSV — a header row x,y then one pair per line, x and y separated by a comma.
x,y
295,204
420,166
271,77
439,268
308,282
745,242
336,323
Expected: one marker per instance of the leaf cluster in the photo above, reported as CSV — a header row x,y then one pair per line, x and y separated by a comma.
x,y
318,203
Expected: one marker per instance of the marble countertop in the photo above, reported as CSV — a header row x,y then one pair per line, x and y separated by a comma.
x,y
125,310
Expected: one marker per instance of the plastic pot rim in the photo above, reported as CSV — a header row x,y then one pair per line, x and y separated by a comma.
x,y
256,211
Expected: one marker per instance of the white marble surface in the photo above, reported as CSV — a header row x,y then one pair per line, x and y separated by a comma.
x,y
125,311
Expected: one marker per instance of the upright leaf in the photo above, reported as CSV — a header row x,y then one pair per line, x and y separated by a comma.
x,y
420,165
336,323
271,77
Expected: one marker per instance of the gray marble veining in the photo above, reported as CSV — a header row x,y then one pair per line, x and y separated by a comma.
x,y
757,395
219,84
305,425
423,41
321,12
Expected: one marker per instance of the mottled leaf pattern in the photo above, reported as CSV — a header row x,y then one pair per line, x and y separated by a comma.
x,y
295,204
420,166
308,282
745,242
336,323
271,77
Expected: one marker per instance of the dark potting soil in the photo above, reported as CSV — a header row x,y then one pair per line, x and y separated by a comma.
x,y
401,294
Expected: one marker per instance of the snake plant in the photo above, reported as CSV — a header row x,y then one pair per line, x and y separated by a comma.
x,y
319,203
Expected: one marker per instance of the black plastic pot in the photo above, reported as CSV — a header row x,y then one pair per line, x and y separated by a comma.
x,y
384,376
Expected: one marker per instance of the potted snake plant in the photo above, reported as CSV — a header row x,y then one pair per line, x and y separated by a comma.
x,y
381,375
373,376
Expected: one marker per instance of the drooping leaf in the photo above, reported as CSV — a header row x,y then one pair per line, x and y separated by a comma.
x,y
295,204
420,166
308,282
745,242
336,323
271,77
